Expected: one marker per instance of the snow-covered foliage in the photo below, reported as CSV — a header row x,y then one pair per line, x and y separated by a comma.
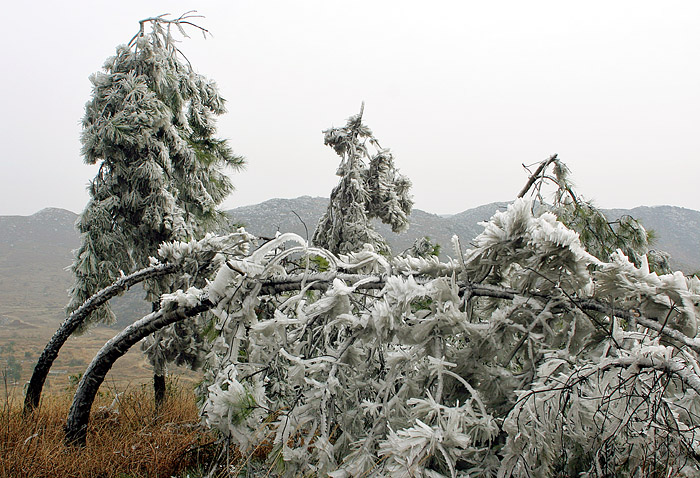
x,y
150,125
525,356
370,187
600,236
185,342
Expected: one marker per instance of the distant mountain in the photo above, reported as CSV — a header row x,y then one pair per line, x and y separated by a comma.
x,y
677,232
35,250
677,229
283,215
301,214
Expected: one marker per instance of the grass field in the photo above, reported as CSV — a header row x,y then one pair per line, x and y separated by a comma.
x,y
126,437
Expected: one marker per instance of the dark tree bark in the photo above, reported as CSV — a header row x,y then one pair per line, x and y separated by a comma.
x,y
79,414
158,379
159,390
75,320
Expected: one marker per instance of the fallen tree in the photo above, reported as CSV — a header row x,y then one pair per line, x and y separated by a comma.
x,y
434,335
526,355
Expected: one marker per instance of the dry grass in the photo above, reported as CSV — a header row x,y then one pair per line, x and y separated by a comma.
x,y
133,442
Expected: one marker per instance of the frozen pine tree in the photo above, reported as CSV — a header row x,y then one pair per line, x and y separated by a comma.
x,y
150,124
370,187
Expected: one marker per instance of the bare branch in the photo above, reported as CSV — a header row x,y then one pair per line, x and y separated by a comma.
x,y
538,173
183,19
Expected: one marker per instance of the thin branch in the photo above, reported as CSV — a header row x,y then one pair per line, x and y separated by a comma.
x,y
536,174
306,229
183,19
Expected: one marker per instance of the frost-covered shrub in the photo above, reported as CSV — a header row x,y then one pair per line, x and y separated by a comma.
x,y
525,356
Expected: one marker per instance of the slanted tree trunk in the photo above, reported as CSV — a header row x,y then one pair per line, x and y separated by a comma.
x,y
75,320
79,414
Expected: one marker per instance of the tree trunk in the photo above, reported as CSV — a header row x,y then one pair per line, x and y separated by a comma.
x,y
159,390
50,352
79,414
158,373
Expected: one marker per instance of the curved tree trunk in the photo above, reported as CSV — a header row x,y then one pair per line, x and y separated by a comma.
x,y
50,352
79,414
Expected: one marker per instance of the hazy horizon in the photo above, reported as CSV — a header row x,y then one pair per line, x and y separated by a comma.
x,y
326,197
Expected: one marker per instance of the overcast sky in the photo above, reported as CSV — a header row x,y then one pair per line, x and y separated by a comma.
x,y
463,92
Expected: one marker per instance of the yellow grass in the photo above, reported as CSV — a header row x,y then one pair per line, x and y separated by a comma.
x,y
134,441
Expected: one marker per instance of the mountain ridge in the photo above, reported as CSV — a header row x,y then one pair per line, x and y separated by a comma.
x,y
36,250
677,229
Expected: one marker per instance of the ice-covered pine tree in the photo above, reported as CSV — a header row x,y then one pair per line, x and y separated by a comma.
x,y
150,124
370,187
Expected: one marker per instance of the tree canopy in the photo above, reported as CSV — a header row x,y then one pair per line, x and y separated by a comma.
x,y
151,125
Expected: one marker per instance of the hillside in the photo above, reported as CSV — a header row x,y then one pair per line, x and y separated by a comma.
x,y
677,229
300,215
35,250
34,254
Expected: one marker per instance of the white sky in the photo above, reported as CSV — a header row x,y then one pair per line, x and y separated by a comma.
x,y
462,91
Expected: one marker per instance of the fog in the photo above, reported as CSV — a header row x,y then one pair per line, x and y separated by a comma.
x,y
462,92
